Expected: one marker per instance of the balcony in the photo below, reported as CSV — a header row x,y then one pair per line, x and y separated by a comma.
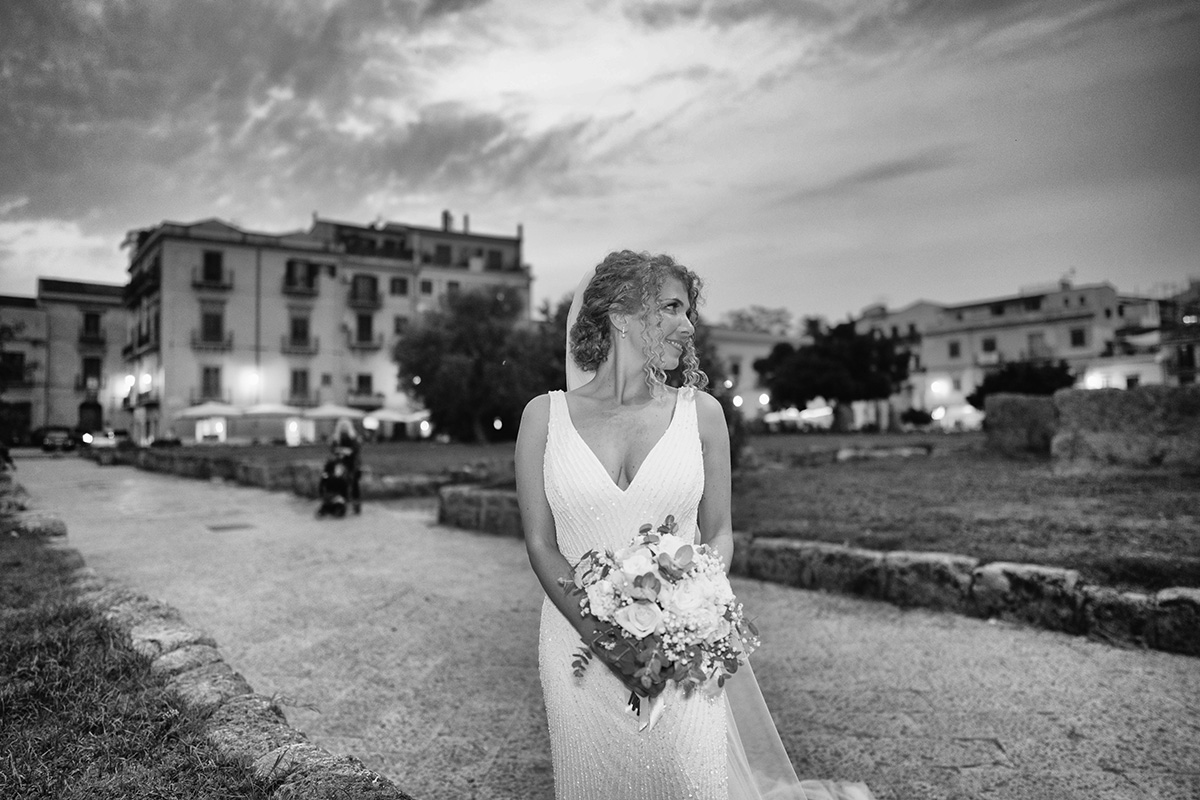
x,y
211,345
364,400
142,342
219,283
365,300
150,397
142,283
92,338
209,395
299,347
91,384
301,399
365,344
299,288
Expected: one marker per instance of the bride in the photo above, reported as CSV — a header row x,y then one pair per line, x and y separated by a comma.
x,y
619,449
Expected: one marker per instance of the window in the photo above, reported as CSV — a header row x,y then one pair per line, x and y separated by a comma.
x,y
1108,313
895,331
364,328
1037,345
452,287
997,309
302,274
1082,300
299,384
426,287
955,350
399,323
214,262
210,382
1131,381
1078,337
399,287
365,287
912,329
12,367
326,379
1033,304
989,344
212,325
956,384
495,260
91,323
441,254
363,383
90,370
299,330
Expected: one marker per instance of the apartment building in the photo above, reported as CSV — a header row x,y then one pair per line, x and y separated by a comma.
x,y
59,355
221,314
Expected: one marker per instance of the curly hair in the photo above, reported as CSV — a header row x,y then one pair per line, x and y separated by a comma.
x,y
628,282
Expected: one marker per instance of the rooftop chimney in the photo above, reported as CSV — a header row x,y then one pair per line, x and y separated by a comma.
x,y
466,223
447,220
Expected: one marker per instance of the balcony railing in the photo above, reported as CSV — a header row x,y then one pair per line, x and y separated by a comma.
x,y
365,344
357,399
301,399
221,283
299,347
88,383
299,288
92,338
200,342
365,301
150,397
210,395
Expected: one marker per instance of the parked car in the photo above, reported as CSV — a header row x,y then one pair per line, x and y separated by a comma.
x,y
56,437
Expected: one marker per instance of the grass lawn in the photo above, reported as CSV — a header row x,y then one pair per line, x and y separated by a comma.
x,y
82,715
1139,530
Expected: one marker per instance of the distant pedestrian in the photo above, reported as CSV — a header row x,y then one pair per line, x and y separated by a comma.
x,y
348,444
6,461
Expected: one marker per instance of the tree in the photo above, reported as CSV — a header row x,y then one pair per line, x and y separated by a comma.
x,y
1023,377
475,361
839,364
760,319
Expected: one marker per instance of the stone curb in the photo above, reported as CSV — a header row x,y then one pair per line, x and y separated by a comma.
x,y
1048,597
244,727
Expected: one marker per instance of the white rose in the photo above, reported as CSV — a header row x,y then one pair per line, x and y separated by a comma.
x,y
669,543
639,619
601,600
639,563
687,598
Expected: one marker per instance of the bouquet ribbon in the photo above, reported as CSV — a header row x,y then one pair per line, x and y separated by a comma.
x,y
648,709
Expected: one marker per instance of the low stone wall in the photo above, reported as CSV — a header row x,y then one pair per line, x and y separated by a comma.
x,y
1148,426
1018,424
1048,597
302,477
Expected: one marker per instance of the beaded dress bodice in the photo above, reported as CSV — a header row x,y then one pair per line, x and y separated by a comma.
x,y
597,750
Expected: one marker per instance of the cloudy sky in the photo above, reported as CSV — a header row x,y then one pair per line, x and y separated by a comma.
x,y
815,154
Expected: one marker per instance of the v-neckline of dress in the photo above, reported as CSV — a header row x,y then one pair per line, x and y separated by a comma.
x,y
600,464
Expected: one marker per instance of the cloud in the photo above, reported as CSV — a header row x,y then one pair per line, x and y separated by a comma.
x,y
54,247
934,159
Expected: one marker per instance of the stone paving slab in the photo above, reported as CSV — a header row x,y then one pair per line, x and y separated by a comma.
x,y
412,647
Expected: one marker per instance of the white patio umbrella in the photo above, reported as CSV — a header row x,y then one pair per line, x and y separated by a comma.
x,y
334,411
209,409
399,415
273,410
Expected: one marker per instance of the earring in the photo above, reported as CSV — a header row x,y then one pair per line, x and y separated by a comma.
x,y
622,333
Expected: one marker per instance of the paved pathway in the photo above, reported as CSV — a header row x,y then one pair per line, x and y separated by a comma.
x,y
413,647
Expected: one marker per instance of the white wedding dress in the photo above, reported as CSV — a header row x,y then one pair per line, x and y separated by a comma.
x,y
696,749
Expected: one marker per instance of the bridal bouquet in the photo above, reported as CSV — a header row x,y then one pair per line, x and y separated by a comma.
x,y
668,614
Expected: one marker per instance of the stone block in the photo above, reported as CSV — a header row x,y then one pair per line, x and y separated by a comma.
x,y
1045,596
184,658
842,569
1119,617
33,524
209,686
1177,620
304,771
499,513
775,560
245,728
932,580
154,637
